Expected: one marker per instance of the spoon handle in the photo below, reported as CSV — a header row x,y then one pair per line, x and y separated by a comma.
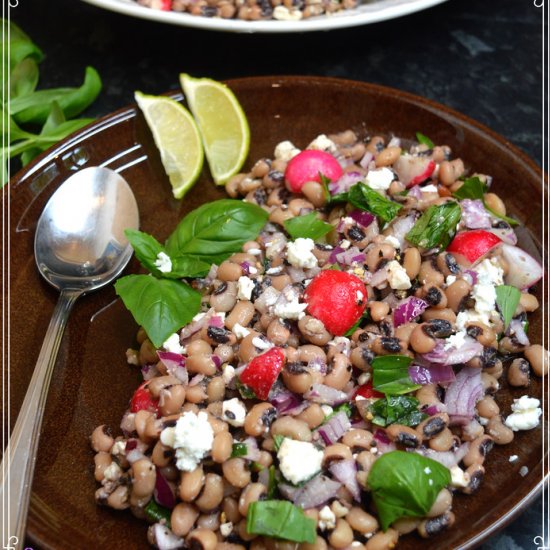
x,y
17,467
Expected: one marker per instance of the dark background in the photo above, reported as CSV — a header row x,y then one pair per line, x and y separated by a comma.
x,y
481,58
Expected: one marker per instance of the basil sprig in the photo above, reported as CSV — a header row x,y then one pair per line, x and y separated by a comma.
x,y
405,484
396,409
280,519
210,234
436,227
307,227
424,140
507,301
391,375
365,198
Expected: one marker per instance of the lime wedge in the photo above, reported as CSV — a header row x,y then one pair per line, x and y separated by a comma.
x,y
177,138
222,125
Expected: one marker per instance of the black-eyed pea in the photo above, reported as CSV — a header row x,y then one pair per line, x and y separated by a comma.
x,y
229,271
183,518
313,330
420,341
456,293
235,470
296,377
388,345
405,525
378,310
528,302
427,395
342,535
278,332
265,459
313,415
191,484
144,475
160,382
340,372
443,441
315,193
434,295
201,364
242,314
224,297
147,353
141,418
446,314
161,455
433,426
196,393
442,504
361,521
478,450
489,382
119,499
232,186
501,434
377,253
300,206
428,274
209,521
383,540
519,373
447,264
230,508
229,545
202,539
222,446
362,357
319,544
243,532
251,493
474,474
198,347
171,399
495,203
357,438
216,389
101,439
411,262
247,349
487,407
450,171
259,419
434,526
538,358
291,427
212,493
102,461
334,452
387,156
404,435
217,424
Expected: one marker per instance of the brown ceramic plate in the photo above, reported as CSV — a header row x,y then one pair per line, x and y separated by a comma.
x,y
92,383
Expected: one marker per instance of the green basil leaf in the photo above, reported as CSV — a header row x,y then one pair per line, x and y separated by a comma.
x,y
280,519
510,221
34,108
307,227
472,188
436,227
214,231
272,482
155,512
507,301
239,449
365,198
424,140
391,374
277,441
146,248
405,484
400,409
24,78
160,306
344,407
363,319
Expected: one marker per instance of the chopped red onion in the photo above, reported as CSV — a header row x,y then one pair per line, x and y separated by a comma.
x,y
471,275
245,266
296,275
197,379
362,217
516,328
211,274
344,183
336,250
163,492
165,539
175,365
383,443
252,450
415,192
379,277
345,471
131,444
263,477
149,371
474,214
408,310
431,410
365,161
316,492
523,270
350,256
319,393
433,374
216,321
449,459
332,430
318,365
463,394
195,326
401,226
453,356
287,402
134,455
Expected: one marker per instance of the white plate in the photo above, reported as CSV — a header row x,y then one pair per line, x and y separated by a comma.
x,y
369,11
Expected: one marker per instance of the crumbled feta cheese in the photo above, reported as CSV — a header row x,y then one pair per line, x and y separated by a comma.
x,y
327,410
314,326
163,262
339,509
132,357
118,448
260,343
430,481
526,413
363,378
234,412
380,179
469,316
489,272
397,276
485,297
270,296
274,270
427,470
239,331
429,188
191,437
252,270
254,251
359,296
299,253
513,458
228,373
286,150
198,317
289,307
112,472
483,421
327,519
281,13
299,460
345,244
323,143
172,344
459,478
455,340
226,529
393,241
523,471
245,286
450,280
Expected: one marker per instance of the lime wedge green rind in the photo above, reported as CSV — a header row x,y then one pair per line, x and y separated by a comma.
x,y
177,138
222,125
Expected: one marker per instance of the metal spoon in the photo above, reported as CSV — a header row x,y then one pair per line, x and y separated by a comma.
x,y
79,246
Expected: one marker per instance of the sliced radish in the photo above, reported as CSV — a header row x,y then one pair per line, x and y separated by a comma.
x,y
310,165
413,170
471,246
507,236
523,270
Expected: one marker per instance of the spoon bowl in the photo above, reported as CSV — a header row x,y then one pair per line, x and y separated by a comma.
x,y
79,247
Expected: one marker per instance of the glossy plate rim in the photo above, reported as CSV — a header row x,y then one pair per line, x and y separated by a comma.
x,y
381,10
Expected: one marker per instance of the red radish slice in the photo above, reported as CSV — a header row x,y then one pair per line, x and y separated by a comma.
x,y
310,165
473,245
413,170
523,270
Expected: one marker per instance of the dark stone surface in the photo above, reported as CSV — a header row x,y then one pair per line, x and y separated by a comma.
x,y
481,58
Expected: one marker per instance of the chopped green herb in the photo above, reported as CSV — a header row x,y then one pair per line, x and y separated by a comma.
x,y
507,301
363,319
239,449
307,227
510,221
400,409
405,484
365,198
272,482
436,227
280,519
344,407
155,512
278,441
424,140
245,391
391,375
472,188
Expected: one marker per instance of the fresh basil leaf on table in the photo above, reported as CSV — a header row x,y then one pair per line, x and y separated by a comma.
x,y
365,198
405,484
390,375
436,227
396,409
160,306
307,227
507,301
